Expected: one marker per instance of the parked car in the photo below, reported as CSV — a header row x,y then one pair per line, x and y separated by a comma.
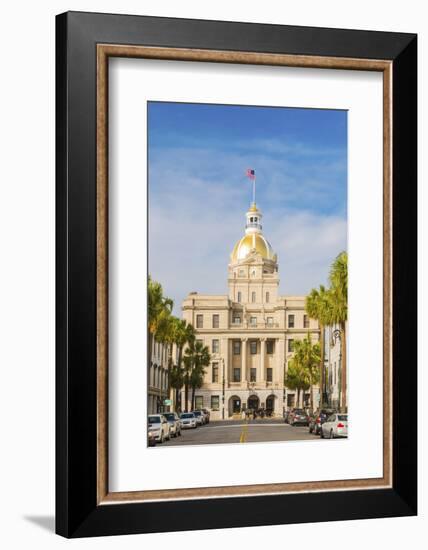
x,y
174,424
207,415
188,420
200,417
159,425
298,417
151,438
318,418
287,414
336,425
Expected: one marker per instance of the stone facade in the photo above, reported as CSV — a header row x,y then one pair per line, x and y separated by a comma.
x,y
249,332
158,378
333,355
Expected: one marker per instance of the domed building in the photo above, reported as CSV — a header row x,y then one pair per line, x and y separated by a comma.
x,y
249,332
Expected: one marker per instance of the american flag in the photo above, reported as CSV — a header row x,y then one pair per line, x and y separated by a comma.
x,y
250,173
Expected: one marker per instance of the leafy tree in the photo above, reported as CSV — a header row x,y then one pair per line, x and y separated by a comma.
x,y
296,378
183,334
158,312
176,379
307,356
318,307
196,357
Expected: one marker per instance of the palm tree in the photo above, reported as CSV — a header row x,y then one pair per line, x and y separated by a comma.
x,y
196,357
338,298
176,382
197,378
183,334
296,378
158,310
318,307
307,356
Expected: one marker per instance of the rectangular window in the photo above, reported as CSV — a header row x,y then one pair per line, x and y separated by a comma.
x,y
253,375
237,319
199,321
239,297
253,347
237,375
215,372
269,346
267,297
269,321
269,374
215,346
215,402
290,345
236,347
253,297
199,401
291,321
216,321
253,321
305,321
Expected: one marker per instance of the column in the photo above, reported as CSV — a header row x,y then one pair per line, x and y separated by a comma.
x,y
244,361
225,363
225,345
278,373
262,361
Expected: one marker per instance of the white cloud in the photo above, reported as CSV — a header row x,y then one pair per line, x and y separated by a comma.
x,y
197,213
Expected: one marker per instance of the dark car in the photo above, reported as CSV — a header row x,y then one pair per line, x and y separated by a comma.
x,y
298,417
318,418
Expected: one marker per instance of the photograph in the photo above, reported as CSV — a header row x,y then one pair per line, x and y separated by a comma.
x,y
247,274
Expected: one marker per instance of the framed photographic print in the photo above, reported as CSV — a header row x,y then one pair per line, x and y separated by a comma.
x,y
236,274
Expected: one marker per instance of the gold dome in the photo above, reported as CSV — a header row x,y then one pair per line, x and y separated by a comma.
x,y
249,242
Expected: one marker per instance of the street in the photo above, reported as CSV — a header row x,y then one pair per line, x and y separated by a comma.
x,y
242,431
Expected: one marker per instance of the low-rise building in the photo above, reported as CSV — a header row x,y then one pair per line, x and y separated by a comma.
x,y
158,378
333,366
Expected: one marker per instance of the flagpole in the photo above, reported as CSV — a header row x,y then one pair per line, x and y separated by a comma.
x,y
254,190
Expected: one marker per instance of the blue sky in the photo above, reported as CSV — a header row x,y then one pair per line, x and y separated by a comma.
x,y
198,192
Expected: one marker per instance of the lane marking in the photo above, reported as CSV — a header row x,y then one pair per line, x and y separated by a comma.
x,y
243,437
251,425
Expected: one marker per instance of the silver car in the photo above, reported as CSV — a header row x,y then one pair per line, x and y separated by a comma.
x,y
200,417
174,424
159,426
188,420
336,425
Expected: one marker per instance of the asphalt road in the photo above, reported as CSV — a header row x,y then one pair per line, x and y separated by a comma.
x,y
242,431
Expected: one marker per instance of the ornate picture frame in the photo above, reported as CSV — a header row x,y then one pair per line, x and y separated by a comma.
x,y
85,43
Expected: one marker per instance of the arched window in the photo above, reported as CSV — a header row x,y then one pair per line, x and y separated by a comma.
x,y
267,297
253,297
239,297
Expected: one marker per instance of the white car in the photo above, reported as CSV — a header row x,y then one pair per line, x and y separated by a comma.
x,y
200,417
159,426
336,425
188,420
174,424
